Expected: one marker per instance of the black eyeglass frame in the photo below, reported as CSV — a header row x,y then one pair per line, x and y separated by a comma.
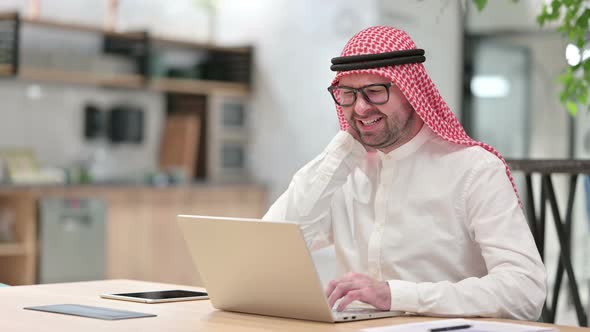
x,y
361,90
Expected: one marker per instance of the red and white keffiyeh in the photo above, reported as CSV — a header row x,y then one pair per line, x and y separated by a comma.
x,y
414,83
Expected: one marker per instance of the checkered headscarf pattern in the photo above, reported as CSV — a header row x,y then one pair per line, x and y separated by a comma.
x,y
414,83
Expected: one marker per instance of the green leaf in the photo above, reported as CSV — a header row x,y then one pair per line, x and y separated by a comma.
x,y
583,97
580,39
562,97
582,21
567,77
543,16
555,10
572,35
572,108
480,4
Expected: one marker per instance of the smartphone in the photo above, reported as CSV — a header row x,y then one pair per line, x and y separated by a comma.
x,y
158,296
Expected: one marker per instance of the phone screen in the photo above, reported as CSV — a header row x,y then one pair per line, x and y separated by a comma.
x,y
161,295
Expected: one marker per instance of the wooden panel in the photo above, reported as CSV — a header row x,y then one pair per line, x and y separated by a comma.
x,y
13,271
27,230
170,259
6,70
8,16
199,87
18,261
128,236
180,143
144,240
12,249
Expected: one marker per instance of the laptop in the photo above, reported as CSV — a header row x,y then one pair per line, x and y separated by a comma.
x,y
261,267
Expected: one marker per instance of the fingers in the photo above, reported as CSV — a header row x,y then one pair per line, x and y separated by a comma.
x,y
341,290
331,286
353,286
350,276
362,295
339,287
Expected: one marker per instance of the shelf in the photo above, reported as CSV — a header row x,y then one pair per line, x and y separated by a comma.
x,y
196,45
232,63
8,16
12,249
198,87
79,77
131,81
5,70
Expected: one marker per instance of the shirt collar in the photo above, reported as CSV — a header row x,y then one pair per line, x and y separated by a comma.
x,y
410,147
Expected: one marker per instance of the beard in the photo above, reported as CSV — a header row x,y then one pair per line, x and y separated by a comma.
x,y
391,130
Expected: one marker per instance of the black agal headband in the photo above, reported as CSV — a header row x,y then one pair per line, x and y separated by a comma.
x,y
368,61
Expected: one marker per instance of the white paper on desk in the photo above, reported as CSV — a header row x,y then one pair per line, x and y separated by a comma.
x,y
476,326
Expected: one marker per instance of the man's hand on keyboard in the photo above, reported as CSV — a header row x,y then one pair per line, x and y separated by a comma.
x,y
355,286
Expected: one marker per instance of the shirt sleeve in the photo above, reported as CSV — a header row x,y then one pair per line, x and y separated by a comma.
x,y
308,199
515,286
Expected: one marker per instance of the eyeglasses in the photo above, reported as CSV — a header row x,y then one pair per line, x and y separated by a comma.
x,y
376,94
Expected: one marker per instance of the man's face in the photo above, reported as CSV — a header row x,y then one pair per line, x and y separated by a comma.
x,y
383,127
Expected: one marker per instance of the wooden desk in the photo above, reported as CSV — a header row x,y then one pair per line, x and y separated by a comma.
x,y
176,316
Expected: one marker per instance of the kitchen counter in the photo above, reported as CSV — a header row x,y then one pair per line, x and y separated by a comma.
x,y
142,239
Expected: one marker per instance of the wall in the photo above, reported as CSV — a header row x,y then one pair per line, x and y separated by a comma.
x,y
52,125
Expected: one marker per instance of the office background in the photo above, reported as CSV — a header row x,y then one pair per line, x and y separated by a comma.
x,y
496,69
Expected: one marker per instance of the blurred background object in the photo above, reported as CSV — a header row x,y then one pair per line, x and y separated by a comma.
x,y
180,144
7,221
71,240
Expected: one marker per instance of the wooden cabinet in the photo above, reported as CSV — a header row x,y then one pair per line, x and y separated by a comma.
x,y
143,240
17,251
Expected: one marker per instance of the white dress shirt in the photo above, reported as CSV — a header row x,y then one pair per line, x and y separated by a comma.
x,y
440,222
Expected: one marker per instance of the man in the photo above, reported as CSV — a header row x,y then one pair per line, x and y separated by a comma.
x,y
423,218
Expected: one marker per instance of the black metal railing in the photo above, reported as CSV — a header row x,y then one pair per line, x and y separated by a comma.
x,y
563,226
